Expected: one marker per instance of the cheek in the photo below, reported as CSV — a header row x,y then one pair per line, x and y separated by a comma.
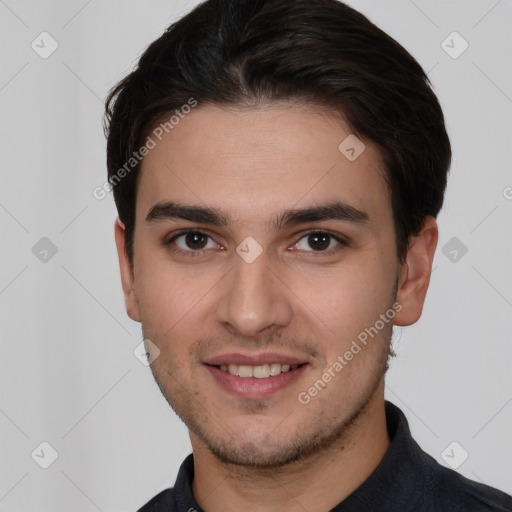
x,y
346,309
352,296
164,296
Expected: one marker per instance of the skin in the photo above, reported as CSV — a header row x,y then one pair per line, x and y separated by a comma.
x,y
271,453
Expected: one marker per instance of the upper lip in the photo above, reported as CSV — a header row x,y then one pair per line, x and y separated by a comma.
x,y
253,360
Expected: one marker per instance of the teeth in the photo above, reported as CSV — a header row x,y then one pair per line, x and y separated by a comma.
x,y
275,369
244,371
259,372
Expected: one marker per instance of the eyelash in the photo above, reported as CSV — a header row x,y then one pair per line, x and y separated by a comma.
x,y
200,252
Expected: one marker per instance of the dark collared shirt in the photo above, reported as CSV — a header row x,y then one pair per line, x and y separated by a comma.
x,y
407,479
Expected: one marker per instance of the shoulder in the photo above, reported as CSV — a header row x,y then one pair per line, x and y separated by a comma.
x,y
177,498
161,502
419,482
452,491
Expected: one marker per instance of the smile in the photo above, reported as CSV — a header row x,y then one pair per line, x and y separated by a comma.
x,y
259,372
256,381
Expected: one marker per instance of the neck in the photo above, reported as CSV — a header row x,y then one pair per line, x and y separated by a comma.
x,y
319,482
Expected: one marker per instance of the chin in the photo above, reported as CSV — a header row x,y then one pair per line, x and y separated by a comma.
x,y
255,456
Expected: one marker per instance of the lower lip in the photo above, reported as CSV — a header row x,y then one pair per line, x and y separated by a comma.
x,y
251,387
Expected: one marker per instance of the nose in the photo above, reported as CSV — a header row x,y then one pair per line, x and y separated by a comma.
x,y
254,299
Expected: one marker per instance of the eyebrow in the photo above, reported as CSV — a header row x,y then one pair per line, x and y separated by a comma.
x,y
207,215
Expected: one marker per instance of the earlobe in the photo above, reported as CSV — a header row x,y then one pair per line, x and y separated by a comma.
x,y
415,273
127,273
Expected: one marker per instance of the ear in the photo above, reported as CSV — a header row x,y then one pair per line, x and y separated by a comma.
x,y
415,273
127,276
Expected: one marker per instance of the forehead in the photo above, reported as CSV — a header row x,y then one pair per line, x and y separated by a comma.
x,y
254,162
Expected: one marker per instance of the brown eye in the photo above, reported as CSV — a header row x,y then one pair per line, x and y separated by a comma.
x,y
195,240
319,241
192,241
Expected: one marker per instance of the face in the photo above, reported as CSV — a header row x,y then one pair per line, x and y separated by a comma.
x,y
261,254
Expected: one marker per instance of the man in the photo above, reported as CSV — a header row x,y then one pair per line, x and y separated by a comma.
x,y
277,168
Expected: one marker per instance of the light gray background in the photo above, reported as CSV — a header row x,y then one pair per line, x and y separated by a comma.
x,y
68,375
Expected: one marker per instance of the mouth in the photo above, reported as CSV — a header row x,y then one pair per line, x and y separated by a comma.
x,y
255,376
262,371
